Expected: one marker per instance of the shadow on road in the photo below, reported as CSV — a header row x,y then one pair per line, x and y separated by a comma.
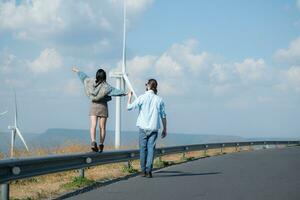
x,y
162,174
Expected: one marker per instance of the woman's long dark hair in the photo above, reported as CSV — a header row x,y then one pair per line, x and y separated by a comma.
x,y
152,84
100,76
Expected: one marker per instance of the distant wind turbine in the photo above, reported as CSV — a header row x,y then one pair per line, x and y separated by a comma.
x,y
3,113
121,80
15,130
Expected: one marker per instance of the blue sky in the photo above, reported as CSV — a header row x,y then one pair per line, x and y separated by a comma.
x,y
224,67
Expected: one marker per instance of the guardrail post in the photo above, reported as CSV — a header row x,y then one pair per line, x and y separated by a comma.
x,y
251,146
205,151
81,173
221,149
162,152
129,165
183,156
236,146
265,145
159,159
5,191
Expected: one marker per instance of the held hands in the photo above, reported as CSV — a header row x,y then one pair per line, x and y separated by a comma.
x,y
129,93
75,69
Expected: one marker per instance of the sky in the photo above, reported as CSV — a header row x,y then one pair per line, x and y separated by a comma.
x,y
223,67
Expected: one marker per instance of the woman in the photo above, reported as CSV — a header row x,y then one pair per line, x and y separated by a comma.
x,y
99,92
151,111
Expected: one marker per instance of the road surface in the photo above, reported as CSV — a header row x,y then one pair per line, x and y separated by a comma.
x,y
257,175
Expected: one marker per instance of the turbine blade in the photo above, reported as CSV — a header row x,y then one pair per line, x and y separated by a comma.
x,y
20,135
129,84
124,40
16,109
3,113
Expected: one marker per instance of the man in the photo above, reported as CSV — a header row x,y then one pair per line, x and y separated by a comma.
x,y
151,111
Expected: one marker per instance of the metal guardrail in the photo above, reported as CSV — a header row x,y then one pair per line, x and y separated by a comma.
x,y
15,169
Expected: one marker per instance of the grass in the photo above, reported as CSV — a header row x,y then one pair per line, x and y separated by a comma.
x,y
184,159
51,186
78,182
128,168
159,163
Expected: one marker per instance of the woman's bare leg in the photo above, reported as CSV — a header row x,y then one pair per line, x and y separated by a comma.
x,y
102,126
93,128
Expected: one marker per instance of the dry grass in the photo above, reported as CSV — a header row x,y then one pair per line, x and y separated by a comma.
x,y
49,186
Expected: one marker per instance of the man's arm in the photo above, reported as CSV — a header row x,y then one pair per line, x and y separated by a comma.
x,y
134,104
129,98
163,116
164,123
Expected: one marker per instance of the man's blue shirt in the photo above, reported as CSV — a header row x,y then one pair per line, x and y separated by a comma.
x,y
151,111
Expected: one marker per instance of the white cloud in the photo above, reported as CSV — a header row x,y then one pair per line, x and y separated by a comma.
x,y
289,80
138,5
182,67
298,4
166,66
135,6
35,19
176,68
141,65
171,88
221,78
7,62
49,59
186,54
30,18
250,69
293,77
182,61
290,55
220,73
290,58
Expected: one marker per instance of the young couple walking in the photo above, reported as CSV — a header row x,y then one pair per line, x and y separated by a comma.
x,y
151,112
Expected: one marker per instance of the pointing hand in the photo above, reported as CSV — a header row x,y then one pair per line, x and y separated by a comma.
x,y
75,69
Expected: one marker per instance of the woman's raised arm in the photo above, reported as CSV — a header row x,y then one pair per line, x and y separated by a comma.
x,y
116,92
80,74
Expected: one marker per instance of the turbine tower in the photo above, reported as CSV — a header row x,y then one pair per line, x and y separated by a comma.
x,y
15,130
121,81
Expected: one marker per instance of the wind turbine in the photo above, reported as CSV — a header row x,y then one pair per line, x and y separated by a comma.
x,y
15,130
121,80
3,113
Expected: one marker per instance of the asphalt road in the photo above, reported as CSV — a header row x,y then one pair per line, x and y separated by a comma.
x,y
257,175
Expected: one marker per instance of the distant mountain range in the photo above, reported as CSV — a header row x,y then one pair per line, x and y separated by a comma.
x,y
58,137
